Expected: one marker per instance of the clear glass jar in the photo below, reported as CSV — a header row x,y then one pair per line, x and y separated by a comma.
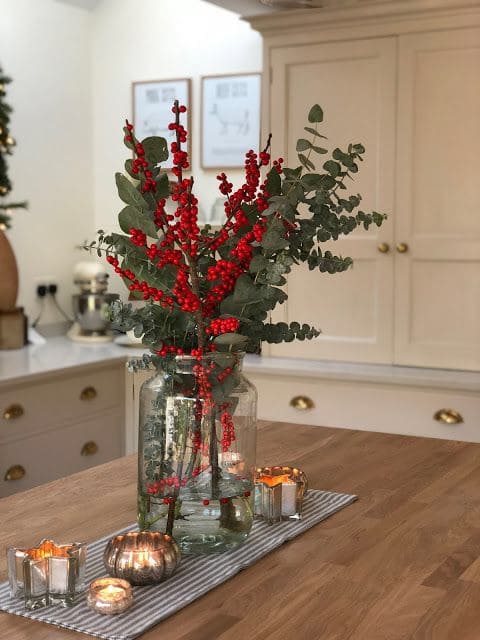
x,y
196,455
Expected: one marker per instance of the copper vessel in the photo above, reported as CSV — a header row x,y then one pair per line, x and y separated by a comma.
x,y
143,557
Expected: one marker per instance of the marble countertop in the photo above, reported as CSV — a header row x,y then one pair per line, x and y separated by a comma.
x,y
57,354
60,353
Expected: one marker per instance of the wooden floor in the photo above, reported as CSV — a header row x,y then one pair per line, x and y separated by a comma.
x,y
401,563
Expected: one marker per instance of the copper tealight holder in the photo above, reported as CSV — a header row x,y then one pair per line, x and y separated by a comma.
x,y
279,493
143,557
49,573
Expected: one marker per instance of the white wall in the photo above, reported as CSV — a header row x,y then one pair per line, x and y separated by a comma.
x,y
72,72
45,48
150,40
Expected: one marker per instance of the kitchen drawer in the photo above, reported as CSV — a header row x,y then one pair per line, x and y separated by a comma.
x,y
55,401
372,407
58,453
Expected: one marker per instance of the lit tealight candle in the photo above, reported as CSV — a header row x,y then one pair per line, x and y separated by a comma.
x,y
109,595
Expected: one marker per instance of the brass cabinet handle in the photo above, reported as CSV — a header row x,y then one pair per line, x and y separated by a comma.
x,y
302,403
13,412
383,247
16,472
402,247
90,448
89,393
448,416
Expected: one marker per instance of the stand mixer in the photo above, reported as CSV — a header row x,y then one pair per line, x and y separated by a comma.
x,y
90,306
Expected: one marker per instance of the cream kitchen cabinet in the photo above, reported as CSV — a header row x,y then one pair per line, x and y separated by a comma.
x,y
402,78
59,423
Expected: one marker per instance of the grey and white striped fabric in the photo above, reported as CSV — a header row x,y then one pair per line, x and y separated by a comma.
x,y
195,576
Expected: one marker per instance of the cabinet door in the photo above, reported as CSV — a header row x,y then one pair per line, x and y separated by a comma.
x,y
354,82
438,200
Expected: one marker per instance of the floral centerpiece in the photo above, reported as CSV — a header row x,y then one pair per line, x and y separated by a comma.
x,y
209,294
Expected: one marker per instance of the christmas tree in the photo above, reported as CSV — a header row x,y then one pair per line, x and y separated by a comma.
x,y
6,147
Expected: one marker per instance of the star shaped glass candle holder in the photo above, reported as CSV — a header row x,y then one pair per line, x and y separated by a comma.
x,y
47,574
279,493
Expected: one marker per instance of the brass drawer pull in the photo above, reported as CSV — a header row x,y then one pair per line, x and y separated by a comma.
x,y
448,416
90,448
302,403
383,247
16,472
89,393
402,247
13,412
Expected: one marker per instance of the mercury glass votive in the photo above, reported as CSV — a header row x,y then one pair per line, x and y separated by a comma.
x,y
109,596
293,483
47,574
143,557
271,503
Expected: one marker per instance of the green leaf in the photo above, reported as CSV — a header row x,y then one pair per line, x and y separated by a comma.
x,y
274,238
156,149
132,217
274,182
258,263
245,291
292,174
128,169
315,114
303,145
312,181
128,193
333,168
163,186
308,164
319,149
314,132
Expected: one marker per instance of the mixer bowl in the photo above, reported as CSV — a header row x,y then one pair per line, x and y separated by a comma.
x,y
91,311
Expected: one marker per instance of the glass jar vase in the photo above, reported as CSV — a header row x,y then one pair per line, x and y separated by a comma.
x,y
196,455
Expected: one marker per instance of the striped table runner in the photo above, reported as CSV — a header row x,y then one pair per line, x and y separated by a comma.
x,y
195,576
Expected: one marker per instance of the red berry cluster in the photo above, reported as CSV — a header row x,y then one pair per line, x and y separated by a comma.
x,y
171,348
228,428
186,299
186,231
224,374
180,158
165,484
222,325
201,373
137,237
140,163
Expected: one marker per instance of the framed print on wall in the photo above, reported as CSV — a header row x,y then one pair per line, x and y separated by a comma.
x,y
152,108
230,119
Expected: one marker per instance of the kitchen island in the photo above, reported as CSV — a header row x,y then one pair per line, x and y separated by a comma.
x,y
401,563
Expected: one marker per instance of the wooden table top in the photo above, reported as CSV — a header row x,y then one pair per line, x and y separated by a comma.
x,y
403,562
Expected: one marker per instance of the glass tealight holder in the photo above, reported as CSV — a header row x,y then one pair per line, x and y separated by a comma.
x,y
47,574
271,503
109,596
292,483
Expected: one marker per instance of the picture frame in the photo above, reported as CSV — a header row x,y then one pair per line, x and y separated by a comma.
x,y
230,119
152,102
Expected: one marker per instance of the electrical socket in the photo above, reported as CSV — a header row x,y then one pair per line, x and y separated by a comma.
x,y
43,283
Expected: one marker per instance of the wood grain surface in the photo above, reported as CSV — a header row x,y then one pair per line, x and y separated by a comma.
x,y
403,562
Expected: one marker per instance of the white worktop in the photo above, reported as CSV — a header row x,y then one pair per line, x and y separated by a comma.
x,y
60,353
56,355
